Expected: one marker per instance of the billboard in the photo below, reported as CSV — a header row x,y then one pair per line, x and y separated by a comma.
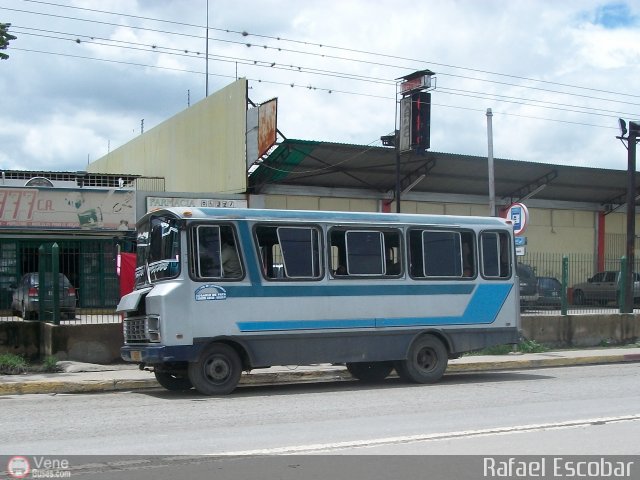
x,y
262,130
86,209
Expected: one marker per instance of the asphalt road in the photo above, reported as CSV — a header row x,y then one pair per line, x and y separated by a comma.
x,y
591,410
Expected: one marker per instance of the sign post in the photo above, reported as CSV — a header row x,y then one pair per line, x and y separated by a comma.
x,y
519,216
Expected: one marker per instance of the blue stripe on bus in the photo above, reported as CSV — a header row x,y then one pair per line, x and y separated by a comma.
x,y
485,304
335,290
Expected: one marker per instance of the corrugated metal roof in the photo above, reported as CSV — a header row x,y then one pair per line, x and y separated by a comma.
x,y
324,164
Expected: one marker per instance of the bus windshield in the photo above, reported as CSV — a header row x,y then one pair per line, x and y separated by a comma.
x,y
158,254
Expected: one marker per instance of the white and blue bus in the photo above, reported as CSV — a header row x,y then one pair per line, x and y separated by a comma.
x,y
222,291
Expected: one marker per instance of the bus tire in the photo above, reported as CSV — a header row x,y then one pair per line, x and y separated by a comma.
x,y
370,371
172,381
426,362
217,371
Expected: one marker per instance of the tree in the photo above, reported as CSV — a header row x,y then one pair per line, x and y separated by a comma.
x,y
5,38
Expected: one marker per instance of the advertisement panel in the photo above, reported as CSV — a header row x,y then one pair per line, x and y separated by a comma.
x,y
82,208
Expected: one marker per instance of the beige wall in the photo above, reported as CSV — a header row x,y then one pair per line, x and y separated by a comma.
x,y
300,202
201,149
561,231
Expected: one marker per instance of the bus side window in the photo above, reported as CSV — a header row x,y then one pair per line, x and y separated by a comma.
x,y
416,261
217,255
441,253
365,252
208,263
496,254
338,253
289,252
393,259
468,255
229,255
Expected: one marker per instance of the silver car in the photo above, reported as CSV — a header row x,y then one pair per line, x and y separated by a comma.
x,y
603,287
25,301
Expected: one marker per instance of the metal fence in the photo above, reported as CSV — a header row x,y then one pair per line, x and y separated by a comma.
x,y
91,270
600,295
87,292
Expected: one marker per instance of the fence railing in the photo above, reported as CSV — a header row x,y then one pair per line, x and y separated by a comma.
x,y
580,287
65,284
94,282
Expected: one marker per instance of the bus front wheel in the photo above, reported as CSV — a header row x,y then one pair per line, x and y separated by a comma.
x,y
426,362
370,371
217,371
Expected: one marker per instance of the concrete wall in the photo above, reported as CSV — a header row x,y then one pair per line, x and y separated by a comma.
x,y
20,338
101,343
83,343
581,330
201,149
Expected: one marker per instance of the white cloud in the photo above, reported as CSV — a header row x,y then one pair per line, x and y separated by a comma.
x,y
79,105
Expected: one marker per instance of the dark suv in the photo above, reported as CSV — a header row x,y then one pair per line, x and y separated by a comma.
x,y
528,284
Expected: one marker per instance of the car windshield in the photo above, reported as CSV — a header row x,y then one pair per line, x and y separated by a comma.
x,y
549,283
158,250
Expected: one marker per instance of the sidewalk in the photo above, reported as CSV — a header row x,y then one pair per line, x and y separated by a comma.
x,y
82,377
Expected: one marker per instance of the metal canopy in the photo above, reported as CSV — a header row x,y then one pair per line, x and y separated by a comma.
x,y
321,164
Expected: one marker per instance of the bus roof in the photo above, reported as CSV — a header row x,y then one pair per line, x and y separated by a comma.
x,y
233,214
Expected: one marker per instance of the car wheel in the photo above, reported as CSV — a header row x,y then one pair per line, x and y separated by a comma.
x,y
26,314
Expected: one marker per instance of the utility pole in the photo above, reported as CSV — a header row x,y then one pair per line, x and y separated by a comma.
x,y
634,133
206,54
492,183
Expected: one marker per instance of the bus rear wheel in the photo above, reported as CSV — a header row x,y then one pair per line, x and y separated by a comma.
x,y
370,371
426,362
173,381
217,371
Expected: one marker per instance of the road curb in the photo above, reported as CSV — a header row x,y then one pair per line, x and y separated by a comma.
x,y
305,376
541,363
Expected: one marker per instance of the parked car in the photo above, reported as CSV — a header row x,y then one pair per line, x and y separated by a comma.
x,y
25,298
603,288
528,284
549,292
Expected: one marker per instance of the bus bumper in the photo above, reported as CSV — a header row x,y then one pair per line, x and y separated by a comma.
x,y
156,354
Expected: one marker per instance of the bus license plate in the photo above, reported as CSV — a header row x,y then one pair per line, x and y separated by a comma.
x,y
136,355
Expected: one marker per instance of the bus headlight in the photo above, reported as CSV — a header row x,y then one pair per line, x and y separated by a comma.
x,y
153,329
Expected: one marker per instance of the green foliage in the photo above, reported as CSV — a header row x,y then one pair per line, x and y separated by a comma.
x,y
531,346
5,38
50,364
525,346
11,364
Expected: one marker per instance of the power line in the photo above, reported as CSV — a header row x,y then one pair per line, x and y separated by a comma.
x,y
351,50
245,34
306,87
327,73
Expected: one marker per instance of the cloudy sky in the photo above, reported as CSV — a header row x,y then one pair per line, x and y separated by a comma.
x,y
84,75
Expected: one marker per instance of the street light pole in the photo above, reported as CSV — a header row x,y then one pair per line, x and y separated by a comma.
x,y
634,132
492,183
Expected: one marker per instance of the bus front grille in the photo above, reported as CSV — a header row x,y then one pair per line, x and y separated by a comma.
x,y
135,330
